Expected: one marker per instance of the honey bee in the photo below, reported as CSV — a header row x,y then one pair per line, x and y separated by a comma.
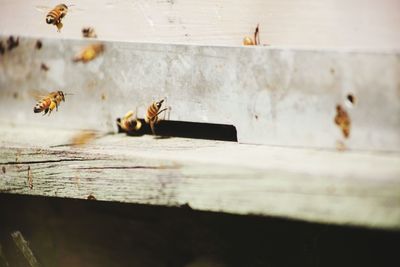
x,y
256,41
83,137
247,40
44,67
342,119
89,53
56,14
48,103
129,122
89,32
152,114
12,43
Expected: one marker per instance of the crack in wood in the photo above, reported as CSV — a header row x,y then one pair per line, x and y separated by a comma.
x,y
128,167
44,161
30,178
12,190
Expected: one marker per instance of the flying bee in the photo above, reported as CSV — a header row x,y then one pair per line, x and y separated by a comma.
x,y
130,122
89,32
83,137
49,102
89,53
152,114
56,14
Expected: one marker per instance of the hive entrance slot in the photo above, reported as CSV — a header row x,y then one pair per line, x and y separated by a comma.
x,y
169,128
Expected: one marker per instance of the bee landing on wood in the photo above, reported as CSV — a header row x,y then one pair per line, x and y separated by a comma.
x,y
256,41
342,119
49,102
130,122
152,114
89,53
56,14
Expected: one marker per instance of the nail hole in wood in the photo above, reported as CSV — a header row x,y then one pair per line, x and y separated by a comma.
x,y
351,99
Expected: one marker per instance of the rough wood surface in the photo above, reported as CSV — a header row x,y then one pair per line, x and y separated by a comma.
x,y
315,185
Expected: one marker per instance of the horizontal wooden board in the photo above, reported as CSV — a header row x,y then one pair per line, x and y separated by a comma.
x,y
271,96
294,23
314,185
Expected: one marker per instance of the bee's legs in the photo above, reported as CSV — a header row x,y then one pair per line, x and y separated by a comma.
x,y
45,111
152,127
257,36
161,111
59,25
52,106
169,112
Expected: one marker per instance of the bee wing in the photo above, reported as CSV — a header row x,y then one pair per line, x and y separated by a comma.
x,y
38,94
129,114
43,9
75,9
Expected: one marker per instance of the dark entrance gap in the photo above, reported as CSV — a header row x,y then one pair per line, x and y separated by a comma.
x,y
169,128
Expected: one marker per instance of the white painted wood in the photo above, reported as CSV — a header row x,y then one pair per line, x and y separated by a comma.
x,y
313,185
295,23
272,96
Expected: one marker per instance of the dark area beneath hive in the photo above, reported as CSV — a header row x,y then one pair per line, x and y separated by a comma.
x,y
67,232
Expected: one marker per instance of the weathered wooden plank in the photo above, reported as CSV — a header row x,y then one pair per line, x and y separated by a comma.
x,y
272,96
306,23
316,185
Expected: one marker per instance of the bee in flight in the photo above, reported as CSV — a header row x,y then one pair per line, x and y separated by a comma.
x,y
152,114
56,14
89,32
89,53
48,103
129,122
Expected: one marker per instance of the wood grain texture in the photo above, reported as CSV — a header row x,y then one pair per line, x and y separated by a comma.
x,y
299,23
280,97
314,185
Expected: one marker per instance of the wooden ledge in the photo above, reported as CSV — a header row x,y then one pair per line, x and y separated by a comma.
x,y
315,185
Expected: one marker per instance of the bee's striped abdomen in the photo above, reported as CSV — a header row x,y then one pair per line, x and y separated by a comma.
x,y
131,125
42,105
152,112
53,16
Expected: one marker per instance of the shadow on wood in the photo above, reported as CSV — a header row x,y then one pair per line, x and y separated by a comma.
x,y
66,232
